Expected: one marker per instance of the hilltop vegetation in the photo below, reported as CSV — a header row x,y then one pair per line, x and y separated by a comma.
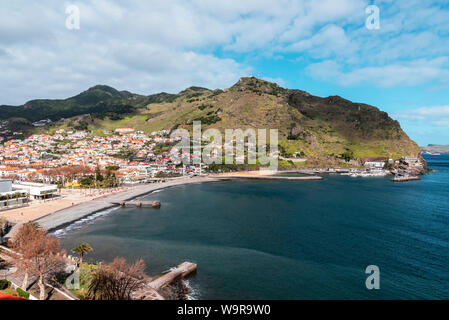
x,y
309,126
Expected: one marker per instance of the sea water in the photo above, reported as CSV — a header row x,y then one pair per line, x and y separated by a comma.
x,y
289,239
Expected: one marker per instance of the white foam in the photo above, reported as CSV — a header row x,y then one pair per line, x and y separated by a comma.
x,y
60,233
194,293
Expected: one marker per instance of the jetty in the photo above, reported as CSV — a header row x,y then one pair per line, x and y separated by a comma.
x,y
138,204
405,178
150,291
180,272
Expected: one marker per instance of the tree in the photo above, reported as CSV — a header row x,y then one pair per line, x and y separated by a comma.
x,y
98,175
82,249
117,281
348,155
26,234
388,165
40,254
45,260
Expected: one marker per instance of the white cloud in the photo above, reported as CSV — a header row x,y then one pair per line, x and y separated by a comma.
x,y
328,41
409,73
148,46
438,115
321,13
139,46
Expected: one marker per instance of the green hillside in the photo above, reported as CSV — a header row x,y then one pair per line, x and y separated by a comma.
x,y
321,128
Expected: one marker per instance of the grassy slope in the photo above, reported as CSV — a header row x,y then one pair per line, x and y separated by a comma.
x,y
319,127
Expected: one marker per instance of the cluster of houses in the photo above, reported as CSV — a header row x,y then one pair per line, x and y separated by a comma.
x,y
375,162
130,151
133,155
380,162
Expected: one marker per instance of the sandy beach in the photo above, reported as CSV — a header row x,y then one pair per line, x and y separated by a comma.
x,y
67,198
264,174
254,173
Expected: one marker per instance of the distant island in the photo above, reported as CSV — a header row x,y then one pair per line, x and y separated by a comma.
x,y
435,149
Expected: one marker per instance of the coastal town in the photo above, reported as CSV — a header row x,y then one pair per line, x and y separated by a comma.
x,y
49,180
233,159
132,152
44,175
70,167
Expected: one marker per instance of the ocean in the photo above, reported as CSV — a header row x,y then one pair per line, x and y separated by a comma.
x,y
288,239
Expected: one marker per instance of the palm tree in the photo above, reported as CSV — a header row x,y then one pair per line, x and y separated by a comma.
x,y
82,249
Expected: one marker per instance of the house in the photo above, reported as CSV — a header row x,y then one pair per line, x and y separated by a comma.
x,y
6,170
41,123
374,162
9,196
411,161
36,190
124,130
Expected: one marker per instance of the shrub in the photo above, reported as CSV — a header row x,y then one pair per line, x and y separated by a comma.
x,y
10,291
4,284
204,106
23,293
208,120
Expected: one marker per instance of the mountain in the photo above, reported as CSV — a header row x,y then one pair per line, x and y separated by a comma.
x,y
314,127
98,99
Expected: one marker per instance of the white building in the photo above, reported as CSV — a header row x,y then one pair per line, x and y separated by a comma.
x,y
36,190
10,197
5,186
375,164
124,130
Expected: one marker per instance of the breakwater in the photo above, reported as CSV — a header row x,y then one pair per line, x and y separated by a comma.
x,y
139,204
404,179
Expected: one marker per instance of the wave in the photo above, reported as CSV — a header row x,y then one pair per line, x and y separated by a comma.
x,y
61,233
194,293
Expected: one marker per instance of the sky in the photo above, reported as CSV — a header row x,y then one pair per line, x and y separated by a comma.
x,y
397,60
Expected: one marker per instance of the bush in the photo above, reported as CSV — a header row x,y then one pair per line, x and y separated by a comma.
x,y
4,284
348,155
23,293
10,291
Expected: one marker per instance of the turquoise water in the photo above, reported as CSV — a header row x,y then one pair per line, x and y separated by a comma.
x,y
290,239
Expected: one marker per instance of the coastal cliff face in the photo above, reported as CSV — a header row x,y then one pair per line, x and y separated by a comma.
x,y
320,129
309,126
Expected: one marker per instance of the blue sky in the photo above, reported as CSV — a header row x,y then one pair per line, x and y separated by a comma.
x,y
322,47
